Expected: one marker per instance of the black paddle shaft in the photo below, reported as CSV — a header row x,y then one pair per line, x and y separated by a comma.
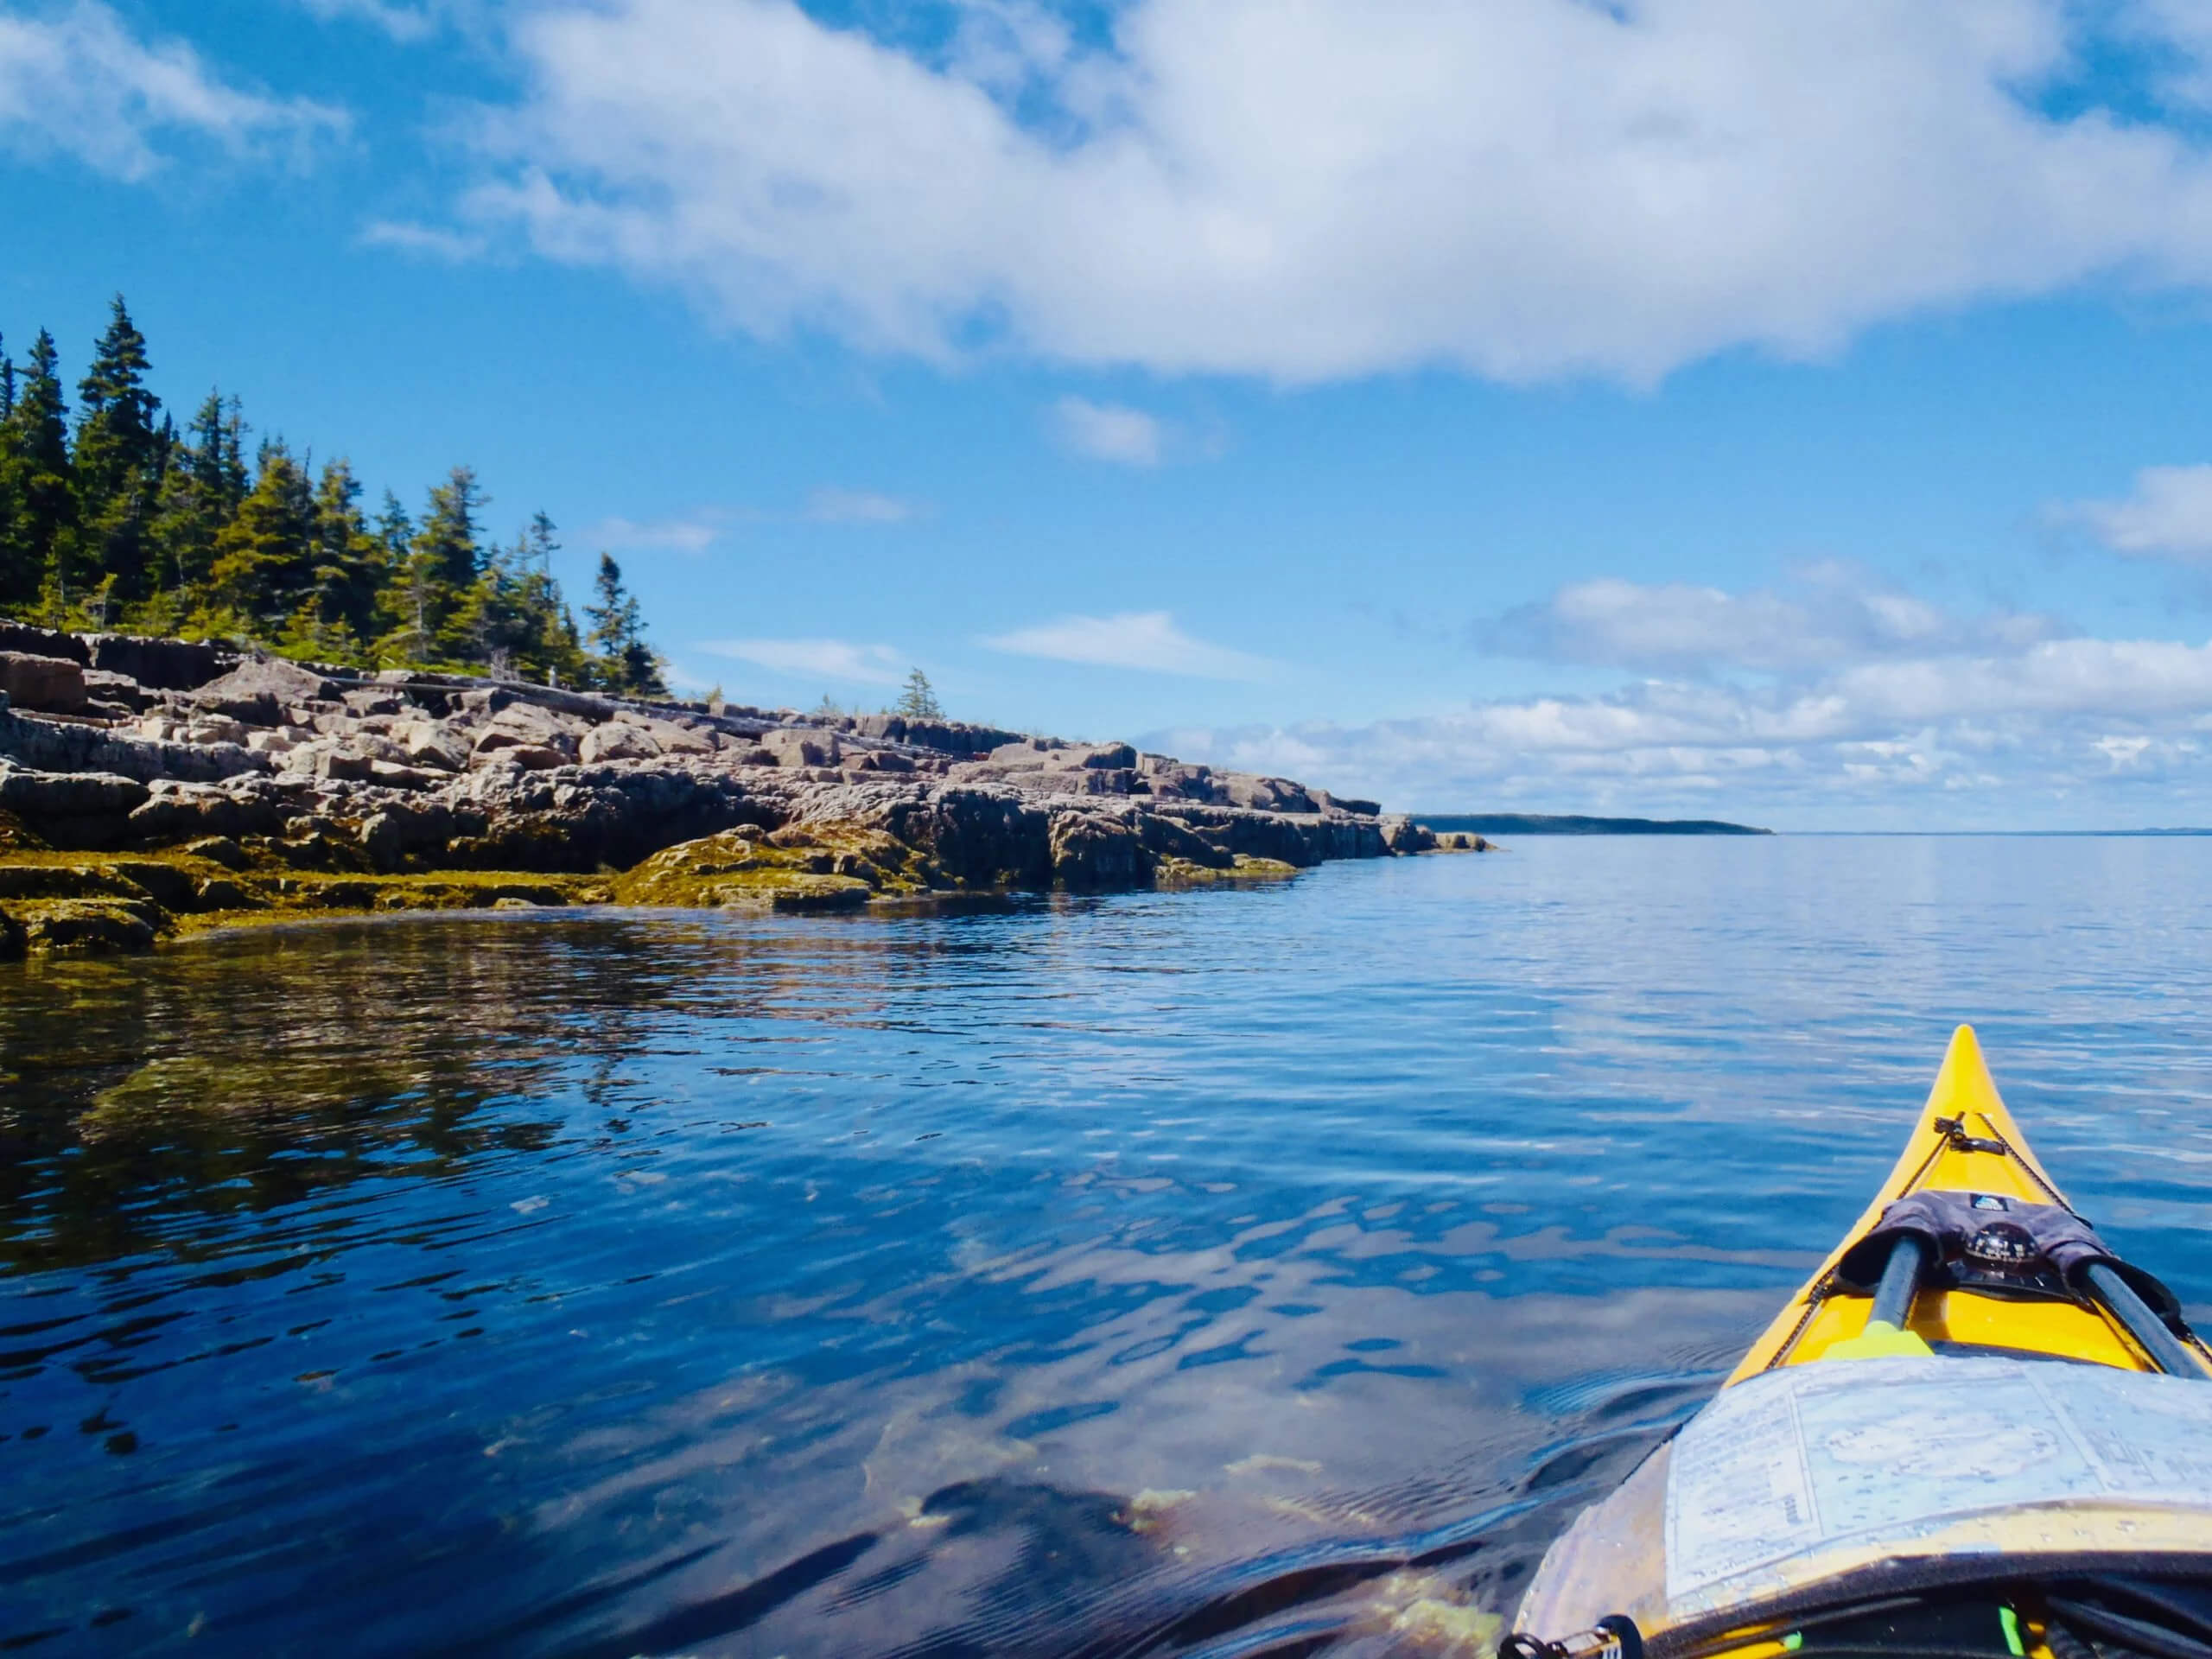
x,y
1900,1281
2165,1349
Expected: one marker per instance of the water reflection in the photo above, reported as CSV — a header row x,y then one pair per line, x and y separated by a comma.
x,y
1203,1274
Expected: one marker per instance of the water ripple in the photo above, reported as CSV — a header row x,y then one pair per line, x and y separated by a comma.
x,y
1270,1273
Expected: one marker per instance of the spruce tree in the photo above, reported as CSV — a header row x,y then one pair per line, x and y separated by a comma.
x,y
546,646
919,701
34,480
194,501
623,662
8,512
449,529
265,557
350,565
115,462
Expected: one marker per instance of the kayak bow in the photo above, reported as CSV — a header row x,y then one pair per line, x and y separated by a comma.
x,y
1972,1401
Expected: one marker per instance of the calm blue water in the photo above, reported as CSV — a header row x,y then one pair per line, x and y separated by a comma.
x,y
1249,1273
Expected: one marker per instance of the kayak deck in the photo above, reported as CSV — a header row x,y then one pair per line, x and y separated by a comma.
x,y
1965,1142
1948,1454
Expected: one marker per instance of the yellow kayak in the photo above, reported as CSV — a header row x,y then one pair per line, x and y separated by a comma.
x,y
1974,1430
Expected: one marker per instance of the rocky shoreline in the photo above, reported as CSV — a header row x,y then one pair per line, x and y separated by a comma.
x,y
151,787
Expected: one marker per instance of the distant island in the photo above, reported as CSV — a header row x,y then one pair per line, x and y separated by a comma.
x,y
1542,823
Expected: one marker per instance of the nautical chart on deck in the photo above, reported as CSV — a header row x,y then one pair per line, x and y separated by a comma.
x,y
1875,1451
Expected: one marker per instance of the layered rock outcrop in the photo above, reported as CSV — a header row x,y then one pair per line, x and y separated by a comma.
x,y
266,783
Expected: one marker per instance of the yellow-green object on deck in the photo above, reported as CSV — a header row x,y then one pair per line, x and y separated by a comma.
x,y
1879,1340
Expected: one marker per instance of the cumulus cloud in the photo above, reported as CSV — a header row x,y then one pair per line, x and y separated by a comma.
x,y
1524,190
1149,641
859,507
1834,614
1107,431
829,659
80,84
2030,724
2168,516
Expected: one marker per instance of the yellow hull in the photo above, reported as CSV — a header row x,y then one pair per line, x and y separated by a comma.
x,y
1620,1557
1935,1160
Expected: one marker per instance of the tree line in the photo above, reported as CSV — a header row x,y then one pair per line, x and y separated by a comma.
x,y
116,519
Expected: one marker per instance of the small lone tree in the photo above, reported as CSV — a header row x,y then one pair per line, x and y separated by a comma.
x,y
625,662
919,701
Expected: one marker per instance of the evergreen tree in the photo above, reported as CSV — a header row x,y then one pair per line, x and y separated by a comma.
x,y
135,523
115,462
542,545
919,701
350,566
546,644
200,494
35,482
450,530
7,506
622,661
265,557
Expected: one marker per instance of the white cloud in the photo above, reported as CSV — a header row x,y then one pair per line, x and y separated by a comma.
x,y
1107,431
1142,640
2168,517
77,83
1834,614
2017,729
695,534
406,24
429,241
1524,189
861,507
831,659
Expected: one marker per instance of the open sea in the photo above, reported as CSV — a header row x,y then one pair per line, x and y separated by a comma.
x,y
1269,1272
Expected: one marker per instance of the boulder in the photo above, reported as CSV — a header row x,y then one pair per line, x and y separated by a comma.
x,y
390,834
617,740
672,738
44,642
1104,756
91,926
362,701
1023,752
531,757
430,743
257,690
946,736
1402,834
118,690
526,725
1092,850
393,774
162,665
52,684
802,746
1329,803
192,813
1266,794
44,796
335,765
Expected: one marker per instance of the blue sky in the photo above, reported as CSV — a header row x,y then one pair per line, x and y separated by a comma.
x,y
1791,414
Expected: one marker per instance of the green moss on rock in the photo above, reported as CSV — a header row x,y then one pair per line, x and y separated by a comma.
x,y
1184,872
810,866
